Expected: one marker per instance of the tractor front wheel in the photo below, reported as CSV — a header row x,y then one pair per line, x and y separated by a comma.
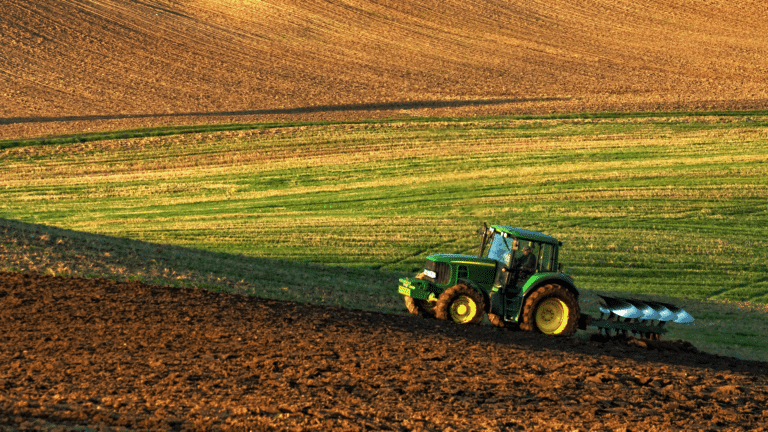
x,y
551,310
420,307
460,304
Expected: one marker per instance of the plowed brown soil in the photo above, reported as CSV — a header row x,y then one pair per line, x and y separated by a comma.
x,y
81,354
80,65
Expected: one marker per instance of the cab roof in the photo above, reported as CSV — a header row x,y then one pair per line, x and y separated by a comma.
x,y
524,234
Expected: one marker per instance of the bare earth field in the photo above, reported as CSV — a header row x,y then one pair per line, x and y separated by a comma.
x,y
74,65
89,354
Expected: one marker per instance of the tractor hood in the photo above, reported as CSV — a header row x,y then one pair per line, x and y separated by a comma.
x,y
446,270
462,259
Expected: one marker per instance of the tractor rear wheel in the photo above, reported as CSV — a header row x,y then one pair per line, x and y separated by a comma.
x,y
551,310
460,304
420,307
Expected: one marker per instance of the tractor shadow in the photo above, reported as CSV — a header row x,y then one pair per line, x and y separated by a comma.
x,y
47,250
350,108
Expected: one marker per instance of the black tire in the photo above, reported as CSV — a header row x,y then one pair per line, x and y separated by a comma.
x,y
460,304
551,310
419,307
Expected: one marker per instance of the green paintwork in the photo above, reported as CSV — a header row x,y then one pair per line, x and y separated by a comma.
x,y
538,279
457,258
480,273
417,288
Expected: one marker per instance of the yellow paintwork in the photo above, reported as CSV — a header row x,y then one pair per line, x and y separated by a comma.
x,y
476,263
463,309
552,316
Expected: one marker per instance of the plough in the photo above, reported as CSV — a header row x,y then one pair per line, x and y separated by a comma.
x,y
640,318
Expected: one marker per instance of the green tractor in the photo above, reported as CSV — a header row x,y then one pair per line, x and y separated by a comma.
x,y
517,280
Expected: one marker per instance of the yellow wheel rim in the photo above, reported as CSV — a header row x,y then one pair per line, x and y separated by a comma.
x,y
552,316
463,310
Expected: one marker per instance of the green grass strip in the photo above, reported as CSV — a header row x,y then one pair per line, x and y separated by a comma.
x,y
207,128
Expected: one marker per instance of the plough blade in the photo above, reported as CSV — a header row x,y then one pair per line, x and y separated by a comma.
x,y
638,316
665,313
648,313
682,317
619,307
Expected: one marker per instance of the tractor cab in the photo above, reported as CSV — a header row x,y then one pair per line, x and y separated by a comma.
x,y
526,260
520,254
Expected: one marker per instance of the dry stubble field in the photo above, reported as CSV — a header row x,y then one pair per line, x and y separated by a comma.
x,y
115,356
76,65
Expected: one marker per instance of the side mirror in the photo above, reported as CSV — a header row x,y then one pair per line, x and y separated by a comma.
x,y
516,245
483,233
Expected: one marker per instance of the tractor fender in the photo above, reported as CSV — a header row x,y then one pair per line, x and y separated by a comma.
x,y
541,279
479,289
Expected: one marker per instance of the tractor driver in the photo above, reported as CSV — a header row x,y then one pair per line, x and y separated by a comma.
x,y
527,265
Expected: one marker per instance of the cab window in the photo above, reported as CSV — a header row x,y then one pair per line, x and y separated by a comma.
x,y
546,258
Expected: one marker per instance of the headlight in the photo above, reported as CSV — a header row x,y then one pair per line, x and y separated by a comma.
x,y
430,274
